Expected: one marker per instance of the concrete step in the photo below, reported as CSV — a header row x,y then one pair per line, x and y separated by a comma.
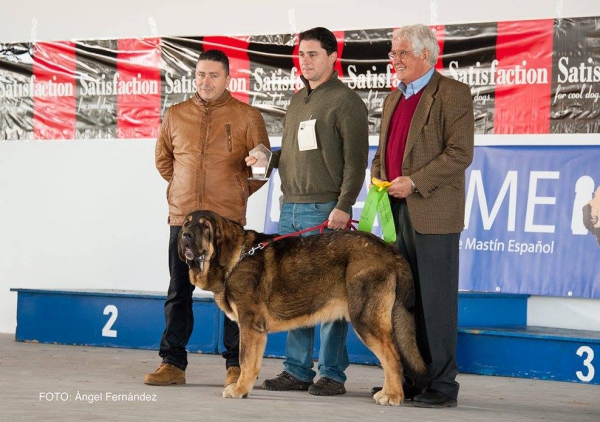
x,y
111,318
492,339
530,352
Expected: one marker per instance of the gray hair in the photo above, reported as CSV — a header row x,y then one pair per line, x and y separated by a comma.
x,y
421,37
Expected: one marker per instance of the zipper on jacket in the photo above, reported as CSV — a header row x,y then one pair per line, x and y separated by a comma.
x,y
228,130
205,141
239,182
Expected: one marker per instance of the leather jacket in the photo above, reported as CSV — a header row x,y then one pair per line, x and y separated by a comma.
x,y
200,151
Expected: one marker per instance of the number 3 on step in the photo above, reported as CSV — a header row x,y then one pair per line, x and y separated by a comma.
x,y
587,363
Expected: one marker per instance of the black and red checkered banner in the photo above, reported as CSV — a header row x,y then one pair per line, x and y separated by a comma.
x,y
526,77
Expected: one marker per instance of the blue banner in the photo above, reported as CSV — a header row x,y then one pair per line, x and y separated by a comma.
x,y
524,223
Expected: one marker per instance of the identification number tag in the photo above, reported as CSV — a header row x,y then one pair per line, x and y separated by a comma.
x,y
307,137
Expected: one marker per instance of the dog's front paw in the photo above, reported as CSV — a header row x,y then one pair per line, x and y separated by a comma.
x,y
385,399
231,391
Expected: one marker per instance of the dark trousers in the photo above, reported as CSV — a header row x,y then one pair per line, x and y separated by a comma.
x,y
179,317
434,263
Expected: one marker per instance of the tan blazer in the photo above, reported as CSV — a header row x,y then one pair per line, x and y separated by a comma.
x,y
439,148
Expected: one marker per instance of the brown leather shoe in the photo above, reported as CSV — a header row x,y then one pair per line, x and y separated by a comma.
x,y
166,374
233,373
285,382
326,387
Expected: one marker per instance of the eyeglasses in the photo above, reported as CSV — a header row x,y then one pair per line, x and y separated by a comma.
x,y
399,54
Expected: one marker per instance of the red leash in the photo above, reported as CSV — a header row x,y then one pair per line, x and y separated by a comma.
x,y
350,225
321,227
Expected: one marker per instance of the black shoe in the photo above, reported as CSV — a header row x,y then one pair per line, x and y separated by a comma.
x,y
285,382
326,387
376,390
432,398
409,392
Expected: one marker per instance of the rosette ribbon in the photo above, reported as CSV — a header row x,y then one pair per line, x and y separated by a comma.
x,y
378,201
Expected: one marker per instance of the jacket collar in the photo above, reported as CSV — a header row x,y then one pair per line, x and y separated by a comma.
x,y
422,112
213,103
309,90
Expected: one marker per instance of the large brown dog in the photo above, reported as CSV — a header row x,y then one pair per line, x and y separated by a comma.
x,y
301,281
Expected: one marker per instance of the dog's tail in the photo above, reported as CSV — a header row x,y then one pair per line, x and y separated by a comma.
x,y
403,323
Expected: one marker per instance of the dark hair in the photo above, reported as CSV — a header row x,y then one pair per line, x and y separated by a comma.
x,y
324,36
216,56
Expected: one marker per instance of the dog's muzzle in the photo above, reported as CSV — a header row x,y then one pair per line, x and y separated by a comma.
x,y
191,257
189,254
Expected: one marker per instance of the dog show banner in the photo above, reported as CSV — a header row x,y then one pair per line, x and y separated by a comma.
x,y
526,77
16,91
534,82
525,229
97,87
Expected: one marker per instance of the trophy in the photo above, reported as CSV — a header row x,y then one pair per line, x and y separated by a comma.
x,y
263,158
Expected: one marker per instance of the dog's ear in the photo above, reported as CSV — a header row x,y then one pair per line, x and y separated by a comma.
x,y
225,241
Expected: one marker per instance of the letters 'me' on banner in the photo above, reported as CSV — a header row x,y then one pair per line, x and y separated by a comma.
x,y
524,224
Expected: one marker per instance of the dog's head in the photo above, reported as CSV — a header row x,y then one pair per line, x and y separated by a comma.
x,y
204,238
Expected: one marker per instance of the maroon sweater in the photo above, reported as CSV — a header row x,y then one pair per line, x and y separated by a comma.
x,y
398,134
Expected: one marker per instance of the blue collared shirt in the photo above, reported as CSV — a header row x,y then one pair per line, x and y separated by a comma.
x,y
417,85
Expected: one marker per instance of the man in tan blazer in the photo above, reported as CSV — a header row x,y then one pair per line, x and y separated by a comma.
x,y
425,146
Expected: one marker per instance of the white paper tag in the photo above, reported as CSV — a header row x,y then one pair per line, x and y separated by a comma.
x,y
307,137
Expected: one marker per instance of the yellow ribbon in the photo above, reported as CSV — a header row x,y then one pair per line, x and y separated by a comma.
x,y
381,184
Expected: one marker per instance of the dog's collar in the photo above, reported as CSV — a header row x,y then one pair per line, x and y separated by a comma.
x,y
251,251
243,255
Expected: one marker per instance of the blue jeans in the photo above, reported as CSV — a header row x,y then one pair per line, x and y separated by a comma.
x,y
333,355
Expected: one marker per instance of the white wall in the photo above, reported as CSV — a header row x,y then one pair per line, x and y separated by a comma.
x,y
66,19
92,214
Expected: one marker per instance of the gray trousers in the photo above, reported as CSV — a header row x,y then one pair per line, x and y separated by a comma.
x,y
433,259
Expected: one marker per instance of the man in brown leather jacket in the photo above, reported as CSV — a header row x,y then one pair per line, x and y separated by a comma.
x,y
200,151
